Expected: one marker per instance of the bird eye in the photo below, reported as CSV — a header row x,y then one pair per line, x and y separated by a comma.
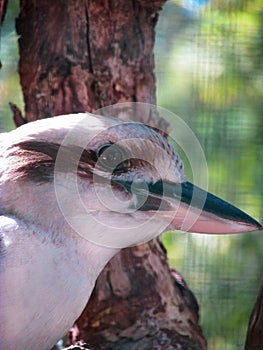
x,y
110,156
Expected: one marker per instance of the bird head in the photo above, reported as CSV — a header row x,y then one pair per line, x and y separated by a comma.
x,y
114,183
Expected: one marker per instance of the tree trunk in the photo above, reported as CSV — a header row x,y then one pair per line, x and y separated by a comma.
x,y
254,339
3,4
80,56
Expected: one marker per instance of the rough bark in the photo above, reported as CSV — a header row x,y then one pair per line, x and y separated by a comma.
x,y
80,56
138,304
254,339
84,55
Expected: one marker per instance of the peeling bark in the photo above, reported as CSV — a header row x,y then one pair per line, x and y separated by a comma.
x,y
17,115
80,56
138,304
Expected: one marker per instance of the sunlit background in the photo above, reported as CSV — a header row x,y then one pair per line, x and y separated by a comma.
x,y
209,69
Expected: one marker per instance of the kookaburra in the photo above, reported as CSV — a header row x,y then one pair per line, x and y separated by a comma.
x,y
74,190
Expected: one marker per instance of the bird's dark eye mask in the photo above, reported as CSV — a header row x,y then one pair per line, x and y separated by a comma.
x,y
36,160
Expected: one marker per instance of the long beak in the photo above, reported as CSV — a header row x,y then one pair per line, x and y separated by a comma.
x,y
193,209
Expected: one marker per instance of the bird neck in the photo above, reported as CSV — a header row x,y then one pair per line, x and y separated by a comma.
x,y
36,205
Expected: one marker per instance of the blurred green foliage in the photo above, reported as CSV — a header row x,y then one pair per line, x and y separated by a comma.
x,y
209,71
10,90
